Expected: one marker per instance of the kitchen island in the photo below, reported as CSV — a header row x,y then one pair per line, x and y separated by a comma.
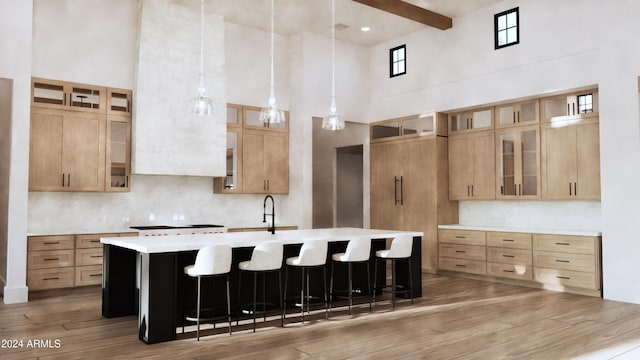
x,y
144,275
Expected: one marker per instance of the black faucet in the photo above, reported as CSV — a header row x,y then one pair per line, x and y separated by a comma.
x,y
271,228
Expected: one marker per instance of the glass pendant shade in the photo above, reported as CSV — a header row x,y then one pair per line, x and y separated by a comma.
x,y
333,121
202,104
272,114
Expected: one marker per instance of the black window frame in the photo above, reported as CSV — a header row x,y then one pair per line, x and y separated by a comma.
x,y
515,10
587,106
391,62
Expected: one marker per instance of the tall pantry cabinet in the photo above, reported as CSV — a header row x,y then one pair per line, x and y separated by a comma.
x,y
409,180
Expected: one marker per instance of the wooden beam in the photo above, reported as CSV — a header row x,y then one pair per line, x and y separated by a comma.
x,y
410,11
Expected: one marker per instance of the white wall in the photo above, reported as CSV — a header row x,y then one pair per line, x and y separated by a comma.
x,y
15,39
564,44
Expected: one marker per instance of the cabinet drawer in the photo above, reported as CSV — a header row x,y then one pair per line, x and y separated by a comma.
x,y
520,272
466,237
91,240
50,278
61,242
89,256
463,251
463,265
88,275
565,243
509,240
49,259
509,256
575,262
577,279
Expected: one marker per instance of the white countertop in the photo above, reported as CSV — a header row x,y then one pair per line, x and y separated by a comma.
x,y
173,243
576,232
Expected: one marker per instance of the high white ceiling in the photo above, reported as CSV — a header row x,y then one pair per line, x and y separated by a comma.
x,y
314,16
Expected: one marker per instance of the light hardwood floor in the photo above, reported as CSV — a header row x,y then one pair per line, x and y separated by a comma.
x,y
457,318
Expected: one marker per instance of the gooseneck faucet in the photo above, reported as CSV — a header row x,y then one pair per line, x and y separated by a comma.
x,y
271,228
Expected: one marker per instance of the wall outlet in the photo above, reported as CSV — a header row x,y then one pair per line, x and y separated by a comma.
x,y
175,217
181,217
152,217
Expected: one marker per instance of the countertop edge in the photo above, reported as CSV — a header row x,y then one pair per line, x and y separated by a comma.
x,y
552,231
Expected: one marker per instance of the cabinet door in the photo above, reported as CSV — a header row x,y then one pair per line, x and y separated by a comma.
x,y
232,183
386,169
460,167
45,151
118,163
588,161
559,162
276,162
83,151
524,113
254,179
517,163
484,167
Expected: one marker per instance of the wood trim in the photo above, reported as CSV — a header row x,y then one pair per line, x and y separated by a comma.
x,y
412,12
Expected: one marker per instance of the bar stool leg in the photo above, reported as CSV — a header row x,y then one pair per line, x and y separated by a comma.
x,y
228,305
238,303
350,288
369,284
255,288
198,312
302,295
331,286
286,280
375,280
324,287
280,294
393,283
264,295
410,281
308,293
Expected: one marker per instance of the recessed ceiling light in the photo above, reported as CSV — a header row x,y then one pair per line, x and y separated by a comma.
x,y
365,28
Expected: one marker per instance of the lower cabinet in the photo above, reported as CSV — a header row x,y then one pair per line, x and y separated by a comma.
x,y
61,261
556,262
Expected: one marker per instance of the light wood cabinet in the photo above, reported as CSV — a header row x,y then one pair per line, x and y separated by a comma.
x,y
462,251
518,163
60,261
67,151
571,160
471,120
257,156
574,105
409,126
472,173
409,182
557,262
80,137
517,114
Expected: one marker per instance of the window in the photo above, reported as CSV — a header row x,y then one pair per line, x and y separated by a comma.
x,y
585,103
507,28
398,61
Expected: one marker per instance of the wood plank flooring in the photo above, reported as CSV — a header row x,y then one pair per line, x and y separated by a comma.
x,y
457,318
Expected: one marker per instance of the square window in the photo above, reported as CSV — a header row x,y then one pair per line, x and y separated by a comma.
x,y
507,30
397,61
585,103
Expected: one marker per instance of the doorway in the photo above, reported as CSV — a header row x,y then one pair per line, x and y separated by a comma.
x,y
349,187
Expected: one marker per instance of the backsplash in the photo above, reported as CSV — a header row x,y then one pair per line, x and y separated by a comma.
x,y
187,197
578,215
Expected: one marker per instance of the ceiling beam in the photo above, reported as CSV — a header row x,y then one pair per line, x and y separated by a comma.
x,y
410,11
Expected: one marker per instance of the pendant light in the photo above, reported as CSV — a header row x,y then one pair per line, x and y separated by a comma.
x,y
272,114
202,104
333,121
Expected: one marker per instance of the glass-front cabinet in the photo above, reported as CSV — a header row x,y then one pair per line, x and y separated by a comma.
x,y
118,153
523,113
251,118
472,120
55,94
231,183
580,104
412,125
518,163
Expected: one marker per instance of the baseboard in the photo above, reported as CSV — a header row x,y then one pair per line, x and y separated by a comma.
x,y
15,295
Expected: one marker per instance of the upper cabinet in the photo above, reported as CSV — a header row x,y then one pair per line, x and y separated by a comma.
x,y
257,157
80,137
521,113
573,105
472,167
518,163
471,120
408,126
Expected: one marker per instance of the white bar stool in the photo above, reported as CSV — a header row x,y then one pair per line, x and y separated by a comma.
x,y
400,249
210,261
266,257
358,251
313,253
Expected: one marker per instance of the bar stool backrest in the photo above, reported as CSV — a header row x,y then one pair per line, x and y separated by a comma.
x,y
266,256
313,253
401,247
212,260
358,249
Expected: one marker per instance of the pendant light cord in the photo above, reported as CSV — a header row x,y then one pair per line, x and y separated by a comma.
x,y
272,95
202,88
333,56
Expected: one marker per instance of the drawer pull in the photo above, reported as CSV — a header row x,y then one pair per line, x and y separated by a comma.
x,y
563,261
561,243
507,256
51,278
507,240
51,242
460,237
563,277
95,275
94,241
461,251
461,265
51,259
508,271
96,256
